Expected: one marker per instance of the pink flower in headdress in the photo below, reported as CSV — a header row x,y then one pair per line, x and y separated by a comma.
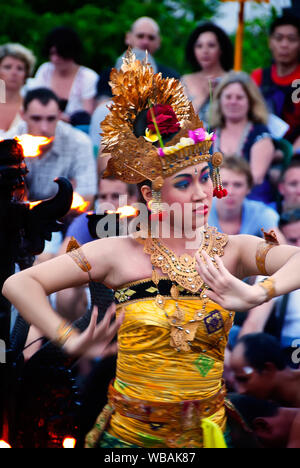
x,y
197,135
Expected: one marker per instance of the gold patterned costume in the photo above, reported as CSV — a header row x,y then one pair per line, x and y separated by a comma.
x,y
165,395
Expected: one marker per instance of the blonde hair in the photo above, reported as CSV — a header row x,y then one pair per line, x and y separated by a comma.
x,y
258,112
19,52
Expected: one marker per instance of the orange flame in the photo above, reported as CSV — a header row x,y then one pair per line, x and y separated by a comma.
x,y
4,444
34,203
125,211
69,442
79,203
31,144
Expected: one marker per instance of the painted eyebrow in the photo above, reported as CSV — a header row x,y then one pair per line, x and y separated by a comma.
x,y
191,175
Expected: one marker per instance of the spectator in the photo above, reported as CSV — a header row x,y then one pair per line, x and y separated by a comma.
x,y
286,313
74,84
210,53
281,316
274,426
110,194
276,81
290,225
235,214
261,371
239,118
289,185
69,155
16,65
144,35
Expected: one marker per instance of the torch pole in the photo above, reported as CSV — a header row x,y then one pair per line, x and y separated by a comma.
x,y
238,56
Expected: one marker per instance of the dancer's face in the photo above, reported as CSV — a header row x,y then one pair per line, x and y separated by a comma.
x,y
191,190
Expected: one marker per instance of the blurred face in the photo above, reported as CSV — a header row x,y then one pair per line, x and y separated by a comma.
x,y
57,60
42,120
248,380
191,190
292,233
290,186
13,72
234,103
144,36
237,187
207,50
274,431
110,192
285,44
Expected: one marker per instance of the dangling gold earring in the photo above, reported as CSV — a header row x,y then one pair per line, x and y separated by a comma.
x,y
219,191
155,204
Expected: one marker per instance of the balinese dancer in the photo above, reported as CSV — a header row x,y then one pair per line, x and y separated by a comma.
x,y
175,293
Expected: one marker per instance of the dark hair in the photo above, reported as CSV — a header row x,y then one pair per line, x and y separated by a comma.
x,y
139,185
251,408
43,95
295,162
261,348
290,216
66,41
224,41
285,20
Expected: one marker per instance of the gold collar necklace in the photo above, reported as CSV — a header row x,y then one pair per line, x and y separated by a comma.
x,y
183,274
182,269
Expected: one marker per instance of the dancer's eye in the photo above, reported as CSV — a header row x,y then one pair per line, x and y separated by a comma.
x,y
204,177
183,184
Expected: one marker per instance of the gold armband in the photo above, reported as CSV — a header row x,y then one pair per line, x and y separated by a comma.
x,y
75,252
63,333
268,285
270,241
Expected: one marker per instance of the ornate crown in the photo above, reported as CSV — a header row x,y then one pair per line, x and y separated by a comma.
x,y
152,130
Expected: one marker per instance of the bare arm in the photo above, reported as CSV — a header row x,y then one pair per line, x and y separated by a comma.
x,y
261,157
282,263
28,290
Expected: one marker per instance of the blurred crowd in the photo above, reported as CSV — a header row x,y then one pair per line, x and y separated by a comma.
x,y
256,120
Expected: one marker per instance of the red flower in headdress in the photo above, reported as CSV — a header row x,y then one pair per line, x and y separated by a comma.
x,y
166,119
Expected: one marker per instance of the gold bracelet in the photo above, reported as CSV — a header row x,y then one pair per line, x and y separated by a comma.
x,y
63,333
270,241
268,285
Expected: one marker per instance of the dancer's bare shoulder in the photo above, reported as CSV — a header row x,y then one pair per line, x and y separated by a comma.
x,y
116,260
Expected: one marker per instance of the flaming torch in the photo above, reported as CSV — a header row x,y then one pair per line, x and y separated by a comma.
x,y
79,204
111,223
32,145
23,231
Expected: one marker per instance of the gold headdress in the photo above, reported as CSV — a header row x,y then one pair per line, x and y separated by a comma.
x,y
134,157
